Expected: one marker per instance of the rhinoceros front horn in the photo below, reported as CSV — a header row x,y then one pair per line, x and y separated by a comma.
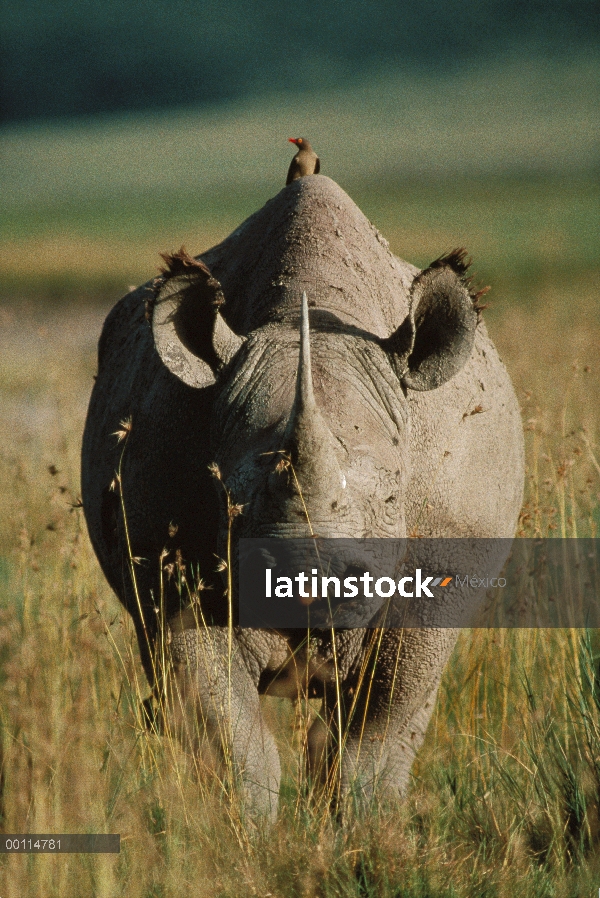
x,y
435,340
308,439
190,334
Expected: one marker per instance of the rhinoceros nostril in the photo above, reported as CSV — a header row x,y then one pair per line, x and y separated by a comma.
x,y
354,570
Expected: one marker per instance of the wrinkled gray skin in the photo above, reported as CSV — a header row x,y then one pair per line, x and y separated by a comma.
x,y
376,421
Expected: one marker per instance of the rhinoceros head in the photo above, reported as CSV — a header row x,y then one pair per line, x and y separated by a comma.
x,y
311,418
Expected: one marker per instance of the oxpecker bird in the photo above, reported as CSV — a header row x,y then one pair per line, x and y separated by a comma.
x,y
305,162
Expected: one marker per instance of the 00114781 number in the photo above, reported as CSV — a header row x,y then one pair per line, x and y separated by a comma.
x,y
32,845
63,843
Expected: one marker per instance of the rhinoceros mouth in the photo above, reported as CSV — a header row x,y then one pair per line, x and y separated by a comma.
x,y
331,611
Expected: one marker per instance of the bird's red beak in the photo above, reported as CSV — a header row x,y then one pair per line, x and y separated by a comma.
x,y
293,140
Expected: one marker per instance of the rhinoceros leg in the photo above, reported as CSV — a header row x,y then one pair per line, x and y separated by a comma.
x,y
389,718
216,704
321,744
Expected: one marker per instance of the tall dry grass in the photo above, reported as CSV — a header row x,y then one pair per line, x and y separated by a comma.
x,y
506,789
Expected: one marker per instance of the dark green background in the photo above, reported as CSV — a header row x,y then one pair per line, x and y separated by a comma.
x,y
82,57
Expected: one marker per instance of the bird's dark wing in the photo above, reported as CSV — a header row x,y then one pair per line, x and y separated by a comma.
x,y
292,171
317,166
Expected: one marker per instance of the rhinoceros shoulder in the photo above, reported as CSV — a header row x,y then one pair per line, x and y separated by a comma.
x,y
126,320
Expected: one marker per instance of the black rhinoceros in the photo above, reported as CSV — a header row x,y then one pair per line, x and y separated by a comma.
x,y
366,398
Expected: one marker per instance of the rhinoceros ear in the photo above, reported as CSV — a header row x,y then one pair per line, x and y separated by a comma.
x,y
190,334
436,338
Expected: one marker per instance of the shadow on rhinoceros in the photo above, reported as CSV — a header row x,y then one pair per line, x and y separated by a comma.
x,y
366,396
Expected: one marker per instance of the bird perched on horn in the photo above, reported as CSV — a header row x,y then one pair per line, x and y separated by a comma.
x,y
305,162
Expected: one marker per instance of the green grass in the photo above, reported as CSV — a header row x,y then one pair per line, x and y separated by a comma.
x,y
521,232
503,160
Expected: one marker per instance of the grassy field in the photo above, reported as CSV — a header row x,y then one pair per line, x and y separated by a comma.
x,y
505,796
501,159
506,790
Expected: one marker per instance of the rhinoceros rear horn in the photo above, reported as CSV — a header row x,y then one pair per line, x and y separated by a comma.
x,y
190,334
435,340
